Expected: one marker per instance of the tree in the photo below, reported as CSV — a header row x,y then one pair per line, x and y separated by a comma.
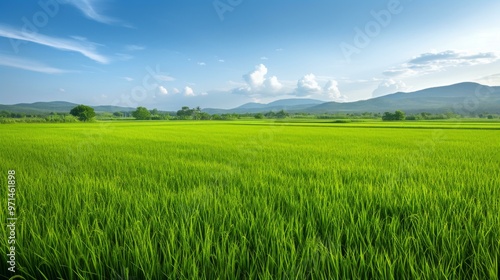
x,y
118,114
83,113
185,113
399,115
396,116
387,116
259,116
141,114
281,114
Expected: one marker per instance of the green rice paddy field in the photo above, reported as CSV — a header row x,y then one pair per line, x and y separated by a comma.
x,y
253,200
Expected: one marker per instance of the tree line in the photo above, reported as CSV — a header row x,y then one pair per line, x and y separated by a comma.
x,y
85,113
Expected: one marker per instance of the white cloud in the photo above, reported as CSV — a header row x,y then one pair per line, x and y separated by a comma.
x,y
439,61
273,84
258,84
264,58
257,77
133,48
222,60
29,65
123,56
388,87
331,89
188,91
202,64
62,90
308,85
176,90
89,9
128,79
163,90
83,47
164,78
491,80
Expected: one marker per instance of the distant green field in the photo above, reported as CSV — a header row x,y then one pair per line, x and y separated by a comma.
x,y
250,199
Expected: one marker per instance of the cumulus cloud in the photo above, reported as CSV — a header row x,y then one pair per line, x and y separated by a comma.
x,y
308,86
258,83
176,90
188,91
273,84
257,77
388,87
163,90
331,89
438,61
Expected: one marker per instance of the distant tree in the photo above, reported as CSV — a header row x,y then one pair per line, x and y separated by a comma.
x,y
399,115
259,116
270,114
396,116
154,112
83,113
141,113
205,116
282,114
118,114
185,113
387,116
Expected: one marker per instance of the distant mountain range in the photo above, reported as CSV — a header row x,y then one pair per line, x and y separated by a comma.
x,y
57,107
458,98
295,105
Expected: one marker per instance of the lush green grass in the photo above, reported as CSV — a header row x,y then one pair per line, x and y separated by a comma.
x,y
246,200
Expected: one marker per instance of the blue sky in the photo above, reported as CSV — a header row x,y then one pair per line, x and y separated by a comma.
x,y
223,53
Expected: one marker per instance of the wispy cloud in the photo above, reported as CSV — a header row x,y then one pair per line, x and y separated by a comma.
x,y
164,77
90,10
29,65
83,47
202,63
438,61
134,48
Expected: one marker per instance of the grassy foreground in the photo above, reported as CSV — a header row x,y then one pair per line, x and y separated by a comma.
x,y
247,200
